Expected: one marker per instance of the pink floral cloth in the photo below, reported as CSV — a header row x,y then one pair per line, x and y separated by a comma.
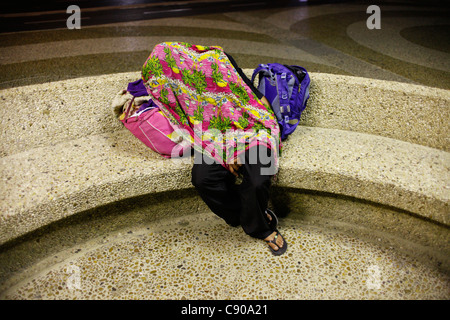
x,y
200,91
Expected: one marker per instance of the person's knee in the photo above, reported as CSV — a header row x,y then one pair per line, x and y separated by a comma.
x,y
198,179
207,177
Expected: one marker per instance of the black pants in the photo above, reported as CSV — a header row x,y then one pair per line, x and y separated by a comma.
x,y
242,204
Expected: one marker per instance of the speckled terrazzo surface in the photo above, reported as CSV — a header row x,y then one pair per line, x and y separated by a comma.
x,y
75,108
210,260
109,164
371,155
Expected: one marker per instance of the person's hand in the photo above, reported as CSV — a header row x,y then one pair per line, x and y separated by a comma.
x,y
234,167
266,102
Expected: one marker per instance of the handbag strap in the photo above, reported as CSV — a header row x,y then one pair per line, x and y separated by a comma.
x,y
128,109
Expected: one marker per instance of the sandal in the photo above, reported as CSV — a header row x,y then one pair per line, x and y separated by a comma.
x,y
281,249
273,223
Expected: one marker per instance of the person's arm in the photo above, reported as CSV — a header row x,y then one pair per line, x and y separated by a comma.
x,y
234,167
265,101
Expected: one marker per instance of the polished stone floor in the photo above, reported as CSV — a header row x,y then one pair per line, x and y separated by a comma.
x,y
411,46
180,259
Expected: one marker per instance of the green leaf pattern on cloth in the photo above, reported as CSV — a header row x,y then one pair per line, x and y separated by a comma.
x,y
199,90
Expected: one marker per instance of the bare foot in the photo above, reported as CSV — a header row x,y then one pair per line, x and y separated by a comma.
x,y
279,242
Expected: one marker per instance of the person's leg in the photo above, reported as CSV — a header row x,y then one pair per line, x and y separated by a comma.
x,y
216,187
244,204
254,191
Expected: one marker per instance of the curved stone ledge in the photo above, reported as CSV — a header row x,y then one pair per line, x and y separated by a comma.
x,y
50,183
50,113
401,111
69,160
382,170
